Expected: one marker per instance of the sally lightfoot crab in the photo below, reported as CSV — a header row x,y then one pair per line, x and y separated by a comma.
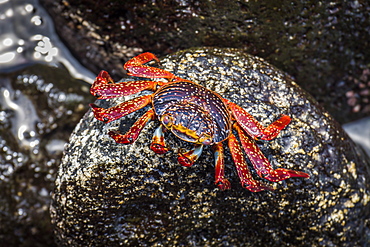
x,y
194,114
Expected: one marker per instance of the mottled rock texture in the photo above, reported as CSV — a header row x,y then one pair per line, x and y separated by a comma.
x,y
109,194
323,44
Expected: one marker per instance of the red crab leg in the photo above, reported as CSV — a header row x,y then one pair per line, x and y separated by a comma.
x,y
123,109
188,158
245,175
104,88
220,180
158,144
136,67
133,133
253,127
261,163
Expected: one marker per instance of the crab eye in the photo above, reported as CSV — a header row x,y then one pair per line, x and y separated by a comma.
x,y
205,139
167,120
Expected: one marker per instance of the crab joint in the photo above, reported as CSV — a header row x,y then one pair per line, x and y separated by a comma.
x,y
205,139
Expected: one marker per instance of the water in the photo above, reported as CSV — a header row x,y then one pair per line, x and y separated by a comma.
x,y
27,36
40,103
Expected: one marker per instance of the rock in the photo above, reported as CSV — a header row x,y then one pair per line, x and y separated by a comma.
x,y
39,107
108,194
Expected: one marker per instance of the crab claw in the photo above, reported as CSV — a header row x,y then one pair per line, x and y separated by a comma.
x,y
158,148
282,174
188,158
184,161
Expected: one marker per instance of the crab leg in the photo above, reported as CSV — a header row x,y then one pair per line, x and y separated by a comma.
x,y
133,133
188,158
220,180
136,67
158,145
245,175
253,127
104,87
123,109
261,163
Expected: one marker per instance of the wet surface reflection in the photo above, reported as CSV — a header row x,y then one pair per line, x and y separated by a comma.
x,y
27,36
44,91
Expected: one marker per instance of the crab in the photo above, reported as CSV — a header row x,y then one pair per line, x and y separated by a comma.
x,y
194,114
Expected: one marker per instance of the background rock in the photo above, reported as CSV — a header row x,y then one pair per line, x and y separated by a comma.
x,y
108,194
323,45
39,107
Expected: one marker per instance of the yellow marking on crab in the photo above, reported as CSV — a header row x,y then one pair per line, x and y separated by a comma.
x,y
186,131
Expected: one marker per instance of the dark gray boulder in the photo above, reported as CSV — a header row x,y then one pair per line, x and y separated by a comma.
x,y
109,195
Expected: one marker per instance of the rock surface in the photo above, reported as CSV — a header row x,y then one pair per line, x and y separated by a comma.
x,y
109,194
324,45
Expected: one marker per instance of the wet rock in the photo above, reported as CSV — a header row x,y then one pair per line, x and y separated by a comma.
x,y
109,194
39,107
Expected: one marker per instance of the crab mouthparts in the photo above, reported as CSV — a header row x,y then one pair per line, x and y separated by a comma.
x,y
189,135
184,133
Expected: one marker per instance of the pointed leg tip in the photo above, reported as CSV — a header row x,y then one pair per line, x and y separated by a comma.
x,y
105,76
257,187
282,174
293,173
223,184
303,175
285,119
